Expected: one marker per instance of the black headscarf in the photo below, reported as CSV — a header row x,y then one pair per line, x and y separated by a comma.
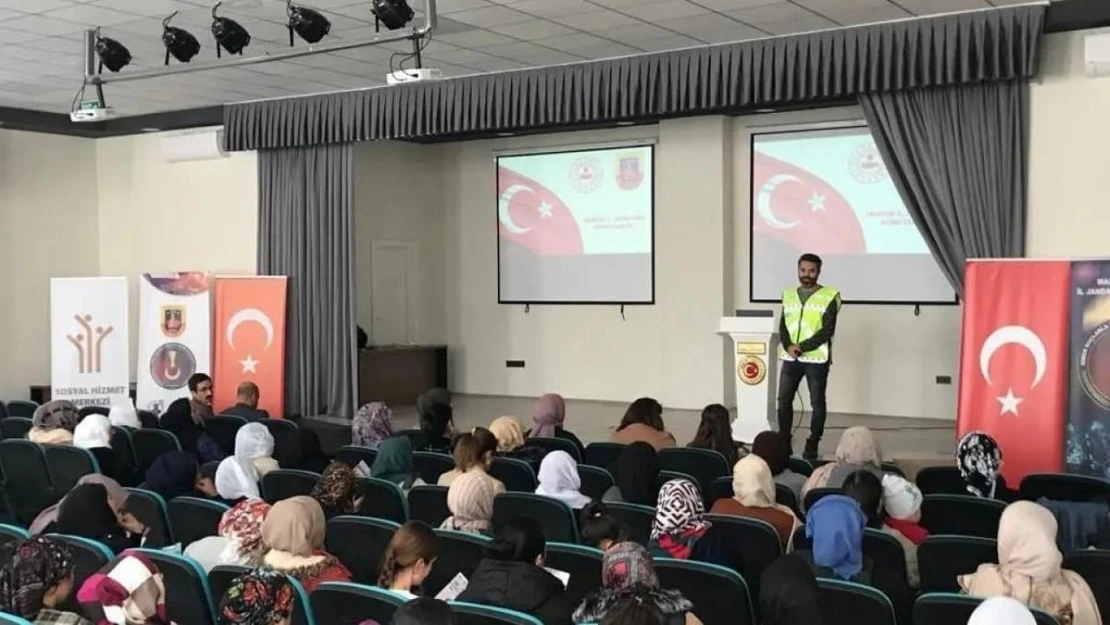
x,y
637,470
172,475
788,593
86,512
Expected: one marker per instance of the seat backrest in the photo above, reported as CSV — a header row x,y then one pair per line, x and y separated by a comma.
x,y
89,556
637,519
67,465
705,465
459,552
940,559
550,443
287,442
721,488
428,504
814,495
478,614
720,596
151,509
517,475
555,516
351,455
667,475
604,455
124,449
22,408
584,565
15,427
848,602
1093,565
382,499
149,444
941,481
799,465
340,603
1064,487
27,482
757,541
188,598
11,619
964,515
890,467
359,542
885,551
595,480
220,578
943,608
429,465
148,420
785,496
193,518
285,483
222,429
12,533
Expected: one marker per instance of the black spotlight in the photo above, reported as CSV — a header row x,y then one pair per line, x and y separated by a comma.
x,y
393,13
230,35
310,24
112,53
178,41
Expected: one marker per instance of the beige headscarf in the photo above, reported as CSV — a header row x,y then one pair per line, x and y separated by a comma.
x,y
1029,569
509,433
295,526
754,486
470,500
857,446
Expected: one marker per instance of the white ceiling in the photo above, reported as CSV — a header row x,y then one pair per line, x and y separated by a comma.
x,y
40,40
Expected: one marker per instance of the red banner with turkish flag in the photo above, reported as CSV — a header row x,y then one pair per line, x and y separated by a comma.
x,y
249,341
1014,361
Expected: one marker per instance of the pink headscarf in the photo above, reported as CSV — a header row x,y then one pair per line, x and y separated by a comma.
x,y
548,413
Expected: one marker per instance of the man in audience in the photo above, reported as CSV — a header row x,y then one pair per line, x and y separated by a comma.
x,y
246,403
185,416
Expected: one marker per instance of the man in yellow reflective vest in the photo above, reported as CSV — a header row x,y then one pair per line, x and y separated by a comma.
x,y
806,329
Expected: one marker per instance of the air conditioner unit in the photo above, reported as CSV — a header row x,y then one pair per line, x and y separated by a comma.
x,y
195,145
1096,54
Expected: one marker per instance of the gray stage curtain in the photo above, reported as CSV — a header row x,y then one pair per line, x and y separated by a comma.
x,y
830,65
304,232
958,157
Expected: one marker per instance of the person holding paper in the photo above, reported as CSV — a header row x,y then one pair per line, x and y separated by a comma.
x,y
408,559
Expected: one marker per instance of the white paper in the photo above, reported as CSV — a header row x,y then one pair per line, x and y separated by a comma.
x,y
453,589
562,576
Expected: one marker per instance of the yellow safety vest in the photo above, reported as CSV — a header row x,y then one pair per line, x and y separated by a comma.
x,y
803,321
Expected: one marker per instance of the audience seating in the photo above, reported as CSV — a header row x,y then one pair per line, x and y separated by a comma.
x,y
220,578
287,442
340,603
595,480
757,541
188,598
428,504
415,436
1093,565
149,444
22,408
358,542
890,467
477,614
800,541
351,455
941,559
285,483
89,556
964,515
814,495
785,496
705,465
27,482
302,609
222,429
637,519
949,608
148,420
556,517
721,488
66,465
720,596
941,481
1064,487
382,499
604,455
14,427
151,509
85,411
193,518
430,465
517,475
583,563
799,465
12,533
885,551
124,449
459,552
550,444
848,603
3,410
10,619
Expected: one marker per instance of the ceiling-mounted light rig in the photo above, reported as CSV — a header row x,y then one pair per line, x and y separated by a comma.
x,y
178,41
309,24
230,35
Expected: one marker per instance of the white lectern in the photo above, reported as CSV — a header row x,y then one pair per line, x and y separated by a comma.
x,y
755,339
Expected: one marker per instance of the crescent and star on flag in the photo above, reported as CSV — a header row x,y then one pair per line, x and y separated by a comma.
x,y
544,209
816,201
1013,335
247,315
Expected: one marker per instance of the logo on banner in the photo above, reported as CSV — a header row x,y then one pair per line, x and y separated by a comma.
x,y
171,365
751,370
89,343
629,174
1013,335
866,165
1094,365
585,174
249,315
173,321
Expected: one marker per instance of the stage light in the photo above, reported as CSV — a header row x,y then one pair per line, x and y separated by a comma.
x,y
178,41
230,35
393,13
310,24
113,54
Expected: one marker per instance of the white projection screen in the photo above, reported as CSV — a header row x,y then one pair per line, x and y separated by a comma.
x,y
576,226
827,191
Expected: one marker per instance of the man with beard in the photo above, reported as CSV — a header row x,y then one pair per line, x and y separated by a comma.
x,y
806,328
186,415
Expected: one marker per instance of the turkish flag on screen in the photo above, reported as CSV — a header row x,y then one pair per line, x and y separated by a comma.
x,y
530,214
1013,361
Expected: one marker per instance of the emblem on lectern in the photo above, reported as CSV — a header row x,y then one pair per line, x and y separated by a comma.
x,y
751,369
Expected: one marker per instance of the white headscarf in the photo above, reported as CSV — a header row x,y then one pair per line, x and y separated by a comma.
x,y
1001,611
235,480
253,441
93,431
123,414
559,479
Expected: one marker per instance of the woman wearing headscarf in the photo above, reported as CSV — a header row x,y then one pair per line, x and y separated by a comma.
x,y
261,597
470,500
53,423
1029,569
559,479
86,512
36,576
131,592
116,494
94,433
1001,611
637,471
436,421
627,574
772,447
238,537
979,459
336,492
511,442
294,533
236,482
715,433
788,593
549,413
394,463
857,450
754,497
173,474
123,414
679,520
373,423
254,445
643,421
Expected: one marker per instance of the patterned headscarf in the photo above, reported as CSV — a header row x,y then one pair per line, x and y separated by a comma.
x,y
131,593
626,565
509,433
56,414
243,526
31,568
335,490
548,413
979,460
261,597
679,510
373,423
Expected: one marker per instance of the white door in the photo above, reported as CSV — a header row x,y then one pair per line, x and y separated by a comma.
x,y
393,287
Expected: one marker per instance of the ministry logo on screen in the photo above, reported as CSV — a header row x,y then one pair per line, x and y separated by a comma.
x,y
865,164
585,174
629,173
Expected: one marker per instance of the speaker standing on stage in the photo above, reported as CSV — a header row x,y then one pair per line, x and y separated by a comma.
x,y
806,329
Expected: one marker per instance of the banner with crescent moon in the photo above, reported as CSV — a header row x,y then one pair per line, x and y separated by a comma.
x,y
250,340
175,336
1088,428
89,340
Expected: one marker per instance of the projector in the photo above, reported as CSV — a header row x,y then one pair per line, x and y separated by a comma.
x,y
422,74
91,112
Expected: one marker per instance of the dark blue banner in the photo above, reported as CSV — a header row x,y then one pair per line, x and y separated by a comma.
x,y
1088,429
